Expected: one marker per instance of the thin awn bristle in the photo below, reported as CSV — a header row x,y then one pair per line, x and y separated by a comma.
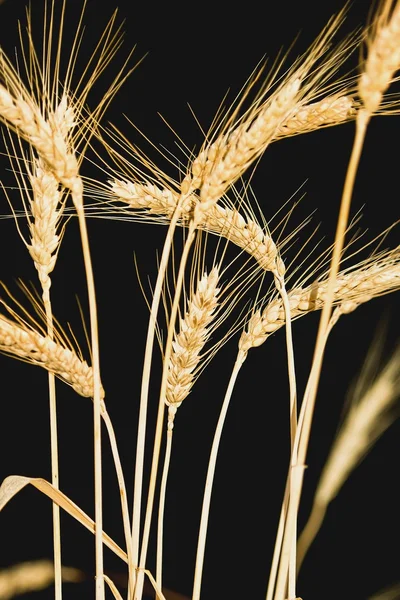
x,y
194,331
30,346
352,288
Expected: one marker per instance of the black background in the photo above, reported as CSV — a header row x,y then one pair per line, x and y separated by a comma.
x,y
196,53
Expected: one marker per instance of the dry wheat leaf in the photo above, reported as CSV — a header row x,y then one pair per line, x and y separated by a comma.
x,y
15,483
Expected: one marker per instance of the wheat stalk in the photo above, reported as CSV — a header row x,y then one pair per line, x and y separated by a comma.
x,y
371,98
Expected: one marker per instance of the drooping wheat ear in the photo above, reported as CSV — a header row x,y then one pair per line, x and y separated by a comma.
x,y
30,346
383,58
46,209
241,141
225,160
330,111
194,331
369,416
150,198
353,287
48,136
31,577
226,222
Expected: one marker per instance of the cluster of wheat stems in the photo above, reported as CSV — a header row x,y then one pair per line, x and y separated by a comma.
x,y
205,295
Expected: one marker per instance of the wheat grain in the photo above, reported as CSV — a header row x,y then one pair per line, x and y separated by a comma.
x,y
383,58
30,346
194,331
324,113
376,277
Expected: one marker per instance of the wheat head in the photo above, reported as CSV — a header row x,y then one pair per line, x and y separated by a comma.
x,y
24,343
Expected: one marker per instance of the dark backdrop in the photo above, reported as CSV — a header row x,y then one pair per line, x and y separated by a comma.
x,y
195,54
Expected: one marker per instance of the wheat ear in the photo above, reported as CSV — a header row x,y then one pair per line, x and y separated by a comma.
x,y
225,222
30,346
187,346
47,137
332,110
240,142
215,169
377,276
383,59
368,417
51,138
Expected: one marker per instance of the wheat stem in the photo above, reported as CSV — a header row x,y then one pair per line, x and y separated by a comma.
x,y
161,407
54,455
78,202
205,511
161,506
300,450
280,284
138,480
124,499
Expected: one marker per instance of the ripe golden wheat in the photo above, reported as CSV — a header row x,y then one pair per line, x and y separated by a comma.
x,y
48,131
